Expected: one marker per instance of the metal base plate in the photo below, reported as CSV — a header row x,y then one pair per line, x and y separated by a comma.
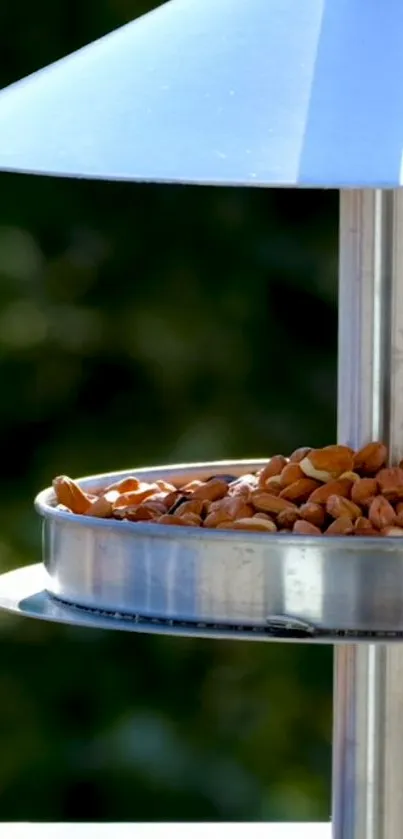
x,y
322,586
23,593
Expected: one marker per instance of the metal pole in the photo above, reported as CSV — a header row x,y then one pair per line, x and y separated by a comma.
x,y
368,680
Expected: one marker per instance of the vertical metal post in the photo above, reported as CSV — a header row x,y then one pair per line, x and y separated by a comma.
x,y
368,680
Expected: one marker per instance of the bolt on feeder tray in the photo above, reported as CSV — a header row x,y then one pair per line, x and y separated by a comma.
x,y
252,93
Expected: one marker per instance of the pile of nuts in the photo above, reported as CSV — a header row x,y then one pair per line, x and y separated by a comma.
x,y
332,491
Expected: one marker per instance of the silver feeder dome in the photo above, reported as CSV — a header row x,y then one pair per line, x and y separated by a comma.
x,y
236,92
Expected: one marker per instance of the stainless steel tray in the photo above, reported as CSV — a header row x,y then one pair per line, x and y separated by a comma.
x,y
23,594
312,585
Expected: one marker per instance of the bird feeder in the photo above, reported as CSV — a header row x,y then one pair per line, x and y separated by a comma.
x,y
254,93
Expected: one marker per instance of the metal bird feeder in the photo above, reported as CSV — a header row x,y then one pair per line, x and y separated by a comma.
x,y
265,93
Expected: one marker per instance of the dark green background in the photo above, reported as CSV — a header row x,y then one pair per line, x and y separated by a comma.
x,y
142,325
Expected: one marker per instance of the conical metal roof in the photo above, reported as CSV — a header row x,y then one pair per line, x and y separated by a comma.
x,y
236,92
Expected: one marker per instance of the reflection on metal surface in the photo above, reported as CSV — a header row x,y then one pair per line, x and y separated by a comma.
x,y
216,576
22,593
306,599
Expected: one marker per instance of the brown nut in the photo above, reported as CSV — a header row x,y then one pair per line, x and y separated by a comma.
x,y
371,458
194,505
381,513
392,531
243,486
235,508
339,507
306,528
264,516
312,513
272,485
190,519
70,494
102,507
350,476
363,527
328,463
291,473
211,490
215,518
364,491
342,526
266,503
274,467
341,486
125,485
172,497
165,487
299,454
262,525
391,483
227,509
300,490
191,486
287,518
130,499
146,511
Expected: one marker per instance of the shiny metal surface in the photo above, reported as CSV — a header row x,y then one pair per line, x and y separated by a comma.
x,y
368,740
191,574
23,594
243,92
368,690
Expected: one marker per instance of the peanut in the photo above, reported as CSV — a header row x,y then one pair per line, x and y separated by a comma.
x,y
299,454
370,458
261,516
363,527
128,499
392,531
364,491
71,495
146,511
341,486
265,503
291,473
312,513
330,462
391,483
300,490
339,507
342,526
125,485
287,518
253,524
381,513
103,506
274,467
190,519
298,495
306,528
194,505
211,490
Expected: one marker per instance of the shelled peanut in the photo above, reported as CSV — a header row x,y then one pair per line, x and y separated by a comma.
x,y
332,491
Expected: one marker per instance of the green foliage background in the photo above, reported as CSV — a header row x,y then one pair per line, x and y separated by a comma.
x,y
141,325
